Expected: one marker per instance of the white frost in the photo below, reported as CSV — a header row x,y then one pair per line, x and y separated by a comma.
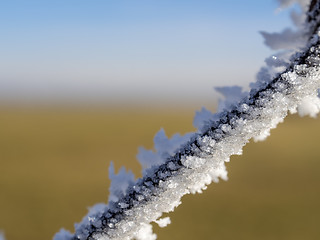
x,y
163,147
61,235
119,182
145,233
163,222
231,95
310,105
202,118
288,39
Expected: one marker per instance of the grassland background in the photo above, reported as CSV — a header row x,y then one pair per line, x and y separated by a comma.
x,y
54,164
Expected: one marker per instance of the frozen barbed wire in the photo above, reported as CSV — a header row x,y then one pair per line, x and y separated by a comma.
x,y
188,164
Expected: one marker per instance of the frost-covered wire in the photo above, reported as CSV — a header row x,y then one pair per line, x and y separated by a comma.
x,y
187,164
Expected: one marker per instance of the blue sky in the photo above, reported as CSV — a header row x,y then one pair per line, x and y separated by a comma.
x,y
135,50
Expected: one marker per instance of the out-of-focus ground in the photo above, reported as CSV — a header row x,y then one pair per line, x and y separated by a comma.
x,y
54,164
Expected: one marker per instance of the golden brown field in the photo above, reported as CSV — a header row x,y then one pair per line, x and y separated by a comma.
x,y
54,164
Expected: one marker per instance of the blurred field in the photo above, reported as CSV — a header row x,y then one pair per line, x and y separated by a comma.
x,y
54,164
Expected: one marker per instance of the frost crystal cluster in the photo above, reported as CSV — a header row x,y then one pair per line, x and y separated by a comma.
x,y
187,164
